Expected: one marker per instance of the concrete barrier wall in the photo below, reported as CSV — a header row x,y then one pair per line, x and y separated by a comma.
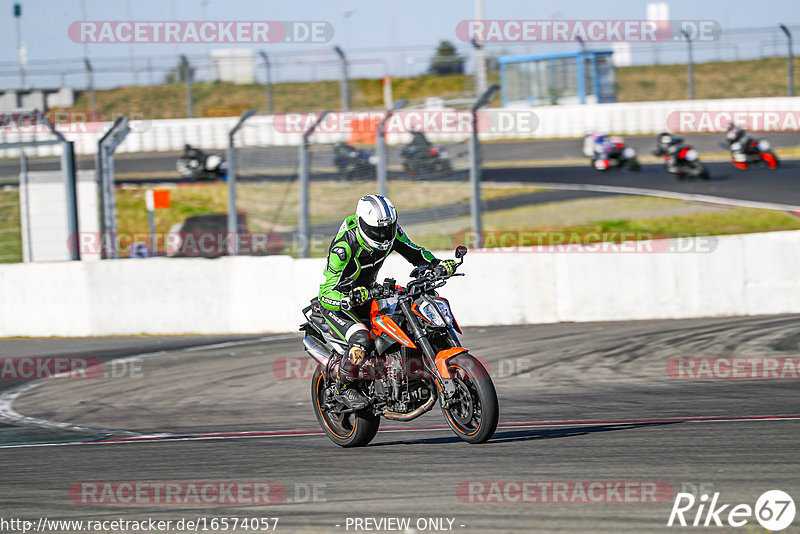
x,y
630,118
744,275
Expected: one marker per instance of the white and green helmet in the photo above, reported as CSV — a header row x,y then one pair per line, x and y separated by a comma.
x,y
376,217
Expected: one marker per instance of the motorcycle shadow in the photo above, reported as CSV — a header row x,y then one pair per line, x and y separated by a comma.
x,y
511,435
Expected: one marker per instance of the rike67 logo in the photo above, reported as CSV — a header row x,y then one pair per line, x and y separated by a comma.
x,y
774,510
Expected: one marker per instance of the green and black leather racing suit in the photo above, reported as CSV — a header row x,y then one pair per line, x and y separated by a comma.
x,y
349,257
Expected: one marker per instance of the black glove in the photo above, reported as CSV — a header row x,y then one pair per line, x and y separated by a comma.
x,y
358,296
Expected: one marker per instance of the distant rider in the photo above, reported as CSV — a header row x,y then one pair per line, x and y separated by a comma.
x,y
736,136
670,145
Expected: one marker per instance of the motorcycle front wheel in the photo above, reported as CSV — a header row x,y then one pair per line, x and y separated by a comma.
x,y
474,415
347,430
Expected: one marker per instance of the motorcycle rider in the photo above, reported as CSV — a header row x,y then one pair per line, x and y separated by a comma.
x,y
738,143
735,133
594,144
191,152
669,144
419,144
357,253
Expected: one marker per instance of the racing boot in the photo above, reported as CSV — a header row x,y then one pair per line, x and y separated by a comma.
x,y
344,390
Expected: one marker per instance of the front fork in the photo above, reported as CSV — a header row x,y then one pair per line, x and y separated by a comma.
x,y
446,385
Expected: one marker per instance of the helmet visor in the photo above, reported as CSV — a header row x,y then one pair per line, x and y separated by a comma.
x,y
379,234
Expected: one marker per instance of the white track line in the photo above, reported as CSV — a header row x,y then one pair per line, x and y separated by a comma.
x,y
11,417
708,199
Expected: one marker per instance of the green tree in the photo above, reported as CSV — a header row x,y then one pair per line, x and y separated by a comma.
x,y
446,60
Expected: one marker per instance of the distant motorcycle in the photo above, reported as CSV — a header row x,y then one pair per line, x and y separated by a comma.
x,y
680,159
420,156
197,165
610,152
353,163
746,151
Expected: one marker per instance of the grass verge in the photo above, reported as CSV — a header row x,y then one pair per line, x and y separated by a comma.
x,y
731,79
608,219
10,236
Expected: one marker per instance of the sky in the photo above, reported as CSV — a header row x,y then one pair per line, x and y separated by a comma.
x,y
371,24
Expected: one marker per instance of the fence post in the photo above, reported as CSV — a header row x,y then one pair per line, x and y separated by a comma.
x,y
789,59
68,166
268,80
106,146
345,88
304,227
233,214
187,76
475,165
380,148
690,64
25,222
90,86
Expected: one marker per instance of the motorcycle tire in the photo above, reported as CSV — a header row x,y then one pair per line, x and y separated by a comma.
x,y
350,430
474,418
634,166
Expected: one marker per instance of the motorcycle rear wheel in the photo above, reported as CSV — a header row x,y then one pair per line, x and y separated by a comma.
x,y
474,417
349,430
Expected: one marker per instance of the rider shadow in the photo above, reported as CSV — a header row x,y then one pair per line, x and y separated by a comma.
x,y
511,435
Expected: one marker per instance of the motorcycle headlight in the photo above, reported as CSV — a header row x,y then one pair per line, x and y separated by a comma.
x,y
763,145
445,310
430,312
691,155
629,152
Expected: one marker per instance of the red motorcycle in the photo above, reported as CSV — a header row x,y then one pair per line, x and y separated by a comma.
x,y
746,151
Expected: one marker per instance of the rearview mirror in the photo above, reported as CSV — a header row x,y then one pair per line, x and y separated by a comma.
x,y
461,251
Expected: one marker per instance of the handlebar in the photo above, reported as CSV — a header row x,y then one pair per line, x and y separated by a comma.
x,y
425,279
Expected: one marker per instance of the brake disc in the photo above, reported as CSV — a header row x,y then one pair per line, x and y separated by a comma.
x,y
464,410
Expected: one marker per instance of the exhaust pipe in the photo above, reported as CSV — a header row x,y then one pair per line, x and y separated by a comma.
x,y
316,351
395,416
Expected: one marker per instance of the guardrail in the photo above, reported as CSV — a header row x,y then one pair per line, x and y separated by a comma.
x,y
740,275
631,118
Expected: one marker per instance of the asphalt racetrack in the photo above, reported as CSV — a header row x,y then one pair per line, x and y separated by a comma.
x,y
502,165
579,403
